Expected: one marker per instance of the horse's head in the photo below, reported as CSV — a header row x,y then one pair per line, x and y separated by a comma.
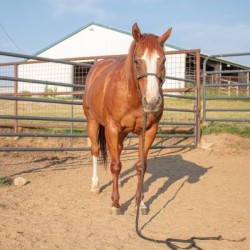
x,y
149,67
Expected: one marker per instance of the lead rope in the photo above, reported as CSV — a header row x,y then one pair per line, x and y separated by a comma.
x,y
170,242
141,180
141,185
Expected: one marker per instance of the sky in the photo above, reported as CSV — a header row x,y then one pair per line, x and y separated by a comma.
x,y
214,26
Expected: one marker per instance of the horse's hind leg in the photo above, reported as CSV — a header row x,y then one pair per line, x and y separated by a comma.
x,y
93,130
95,180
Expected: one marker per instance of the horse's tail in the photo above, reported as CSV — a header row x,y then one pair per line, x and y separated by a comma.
x,y
103,145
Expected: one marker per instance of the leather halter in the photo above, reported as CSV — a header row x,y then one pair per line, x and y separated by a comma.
x,y
139,76
151,74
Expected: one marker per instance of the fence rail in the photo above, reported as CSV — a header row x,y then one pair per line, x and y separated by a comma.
x,y
44,92
232,92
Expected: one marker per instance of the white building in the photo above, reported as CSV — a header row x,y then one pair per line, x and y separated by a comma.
x,y
92,40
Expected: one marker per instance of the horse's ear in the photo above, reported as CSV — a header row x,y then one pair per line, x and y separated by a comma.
x,y
162,39
136,32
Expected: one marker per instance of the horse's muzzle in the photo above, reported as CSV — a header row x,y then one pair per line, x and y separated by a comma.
x,y
154,105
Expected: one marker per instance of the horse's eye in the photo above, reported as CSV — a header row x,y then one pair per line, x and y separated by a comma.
x,y
136,63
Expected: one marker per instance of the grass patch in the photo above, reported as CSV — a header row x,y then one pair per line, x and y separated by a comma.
x,y
236,129
63,131
4,182
75,131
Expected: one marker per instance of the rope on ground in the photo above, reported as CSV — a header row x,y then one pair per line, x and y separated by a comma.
x,y
170,242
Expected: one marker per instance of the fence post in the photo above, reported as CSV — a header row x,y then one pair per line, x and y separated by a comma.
x,y
198,97
248,82
16,94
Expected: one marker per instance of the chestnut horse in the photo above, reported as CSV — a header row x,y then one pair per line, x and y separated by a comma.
x,y
118,92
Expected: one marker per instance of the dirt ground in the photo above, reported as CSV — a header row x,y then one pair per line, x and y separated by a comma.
x,y
201,192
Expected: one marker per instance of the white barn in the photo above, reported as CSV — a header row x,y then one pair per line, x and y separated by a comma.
x,y
92,40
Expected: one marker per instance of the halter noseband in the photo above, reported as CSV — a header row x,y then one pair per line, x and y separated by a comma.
x,y
139,76
150,74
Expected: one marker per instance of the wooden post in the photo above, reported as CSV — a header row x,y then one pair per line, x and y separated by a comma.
x,y
243,78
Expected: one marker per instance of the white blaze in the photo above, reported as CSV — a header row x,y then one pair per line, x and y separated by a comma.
x,y
152,89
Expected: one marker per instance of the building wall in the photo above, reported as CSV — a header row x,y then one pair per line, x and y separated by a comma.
x,y
92,41
53,72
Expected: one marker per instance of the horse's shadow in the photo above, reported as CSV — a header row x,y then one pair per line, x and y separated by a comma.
x,y
171,169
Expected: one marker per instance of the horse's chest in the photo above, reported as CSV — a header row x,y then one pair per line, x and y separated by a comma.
x,y
134,124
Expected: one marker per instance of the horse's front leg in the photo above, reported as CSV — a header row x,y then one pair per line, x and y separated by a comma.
x,y
149,139
113,140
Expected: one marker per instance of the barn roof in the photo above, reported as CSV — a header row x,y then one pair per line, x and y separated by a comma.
x,y
100,25
129,34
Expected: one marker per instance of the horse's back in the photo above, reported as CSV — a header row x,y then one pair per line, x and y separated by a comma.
x,y
97,83
96,71
95,79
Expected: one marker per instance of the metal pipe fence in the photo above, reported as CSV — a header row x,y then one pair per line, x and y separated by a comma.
x,y
40,92
233,96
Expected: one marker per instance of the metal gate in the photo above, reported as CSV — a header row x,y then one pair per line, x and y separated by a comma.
x,y
40,98
226,91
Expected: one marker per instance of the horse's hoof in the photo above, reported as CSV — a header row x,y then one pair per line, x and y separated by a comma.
x,y
95,190
115,211
144,210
